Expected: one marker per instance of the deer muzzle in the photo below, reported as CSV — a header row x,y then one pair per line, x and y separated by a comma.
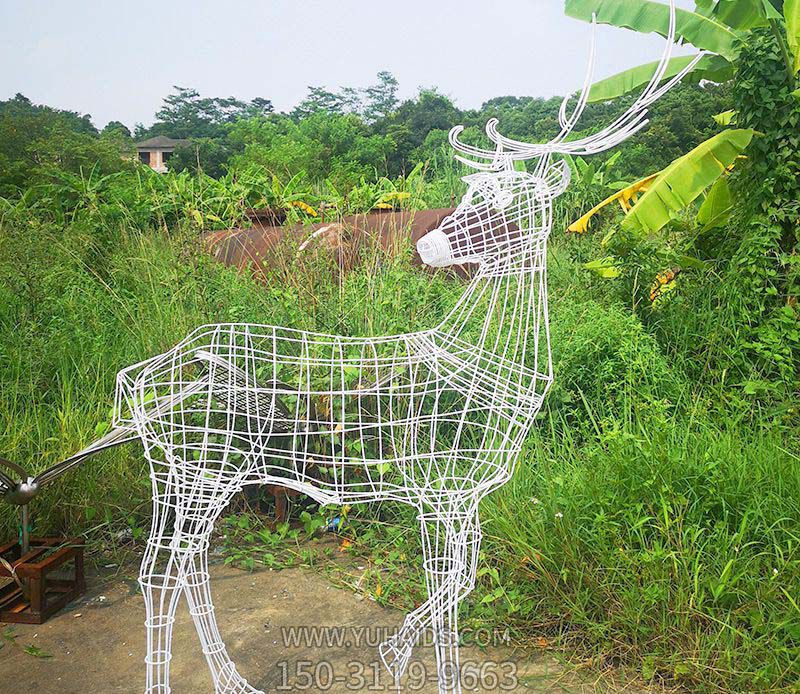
x,y
434,249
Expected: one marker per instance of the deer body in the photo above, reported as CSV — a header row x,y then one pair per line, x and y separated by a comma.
x,y
434,419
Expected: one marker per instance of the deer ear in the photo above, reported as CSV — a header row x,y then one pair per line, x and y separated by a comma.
x,y
558,178
473,178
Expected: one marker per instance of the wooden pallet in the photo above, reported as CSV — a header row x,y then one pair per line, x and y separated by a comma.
x,y
45,593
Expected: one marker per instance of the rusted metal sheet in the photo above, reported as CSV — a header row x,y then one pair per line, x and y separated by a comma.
x,y
346,238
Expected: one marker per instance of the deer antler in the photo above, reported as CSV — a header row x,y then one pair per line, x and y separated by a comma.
x,y
494,157
628,124
499,158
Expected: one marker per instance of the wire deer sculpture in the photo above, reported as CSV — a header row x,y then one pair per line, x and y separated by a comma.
x,y
434,419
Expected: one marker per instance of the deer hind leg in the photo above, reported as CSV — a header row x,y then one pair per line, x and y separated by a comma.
x,y
450,542
160,582
198,594
185,510
199,512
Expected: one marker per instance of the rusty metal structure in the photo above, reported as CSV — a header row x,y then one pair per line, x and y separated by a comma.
x,y
345,237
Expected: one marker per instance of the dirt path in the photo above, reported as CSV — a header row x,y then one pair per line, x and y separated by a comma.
x,y
97,646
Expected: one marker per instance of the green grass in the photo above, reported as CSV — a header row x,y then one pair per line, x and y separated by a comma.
x,y
673,548
653,520
650,523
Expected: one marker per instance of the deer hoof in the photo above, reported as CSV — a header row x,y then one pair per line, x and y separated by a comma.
x,y
241,688
395,657
231,682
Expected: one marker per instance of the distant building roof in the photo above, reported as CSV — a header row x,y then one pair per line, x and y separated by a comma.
x,y
160,142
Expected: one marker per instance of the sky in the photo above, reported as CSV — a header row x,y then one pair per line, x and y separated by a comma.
x,y
117,60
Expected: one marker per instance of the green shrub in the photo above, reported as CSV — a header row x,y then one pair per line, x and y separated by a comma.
x,y
607,363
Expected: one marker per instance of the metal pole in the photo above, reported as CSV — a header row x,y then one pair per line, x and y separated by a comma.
x,y
25,518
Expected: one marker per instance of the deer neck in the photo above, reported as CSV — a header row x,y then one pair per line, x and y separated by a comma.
x,y
504,309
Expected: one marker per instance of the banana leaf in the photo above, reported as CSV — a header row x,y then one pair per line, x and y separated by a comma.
x,y
716,208
607,268
791,12
704,7
683,181
626,197
711,67
742,14
646,17
726,118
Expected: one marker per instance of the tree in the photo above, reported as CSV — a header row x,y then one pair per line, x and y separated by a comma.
x,y
352,100
319,100
381,98
209,155
261,107
36,139
115,126
21,106
372,104
322,145
185,114
410,124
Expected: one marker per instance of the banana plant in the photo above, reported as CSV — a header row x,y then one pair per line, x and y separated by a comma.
x,y
717,206
685,180
594,176
791,13
627,197
715,26
403,192
650,204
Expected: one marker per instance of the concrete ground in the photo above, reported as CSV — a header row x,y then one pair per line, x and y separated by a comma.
x,y
97,645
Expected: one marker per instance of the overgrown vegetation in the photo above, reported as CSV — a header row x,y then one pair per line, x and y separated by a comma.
x,y
653,521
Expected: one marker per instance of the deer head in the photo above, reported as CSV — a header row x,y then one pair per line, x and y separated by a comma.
x,y
504,210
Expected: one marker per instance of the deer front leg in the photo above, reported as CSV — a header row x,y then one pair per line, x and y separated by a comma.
x,y
450,550
445,561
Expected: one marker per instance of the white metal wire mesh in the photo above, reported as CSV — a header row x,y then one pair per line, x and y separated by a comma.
x,y
434,419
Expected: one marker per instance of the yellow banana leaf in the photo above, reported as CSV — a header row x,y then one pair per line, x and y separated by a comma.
x,y
626,198
305,207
